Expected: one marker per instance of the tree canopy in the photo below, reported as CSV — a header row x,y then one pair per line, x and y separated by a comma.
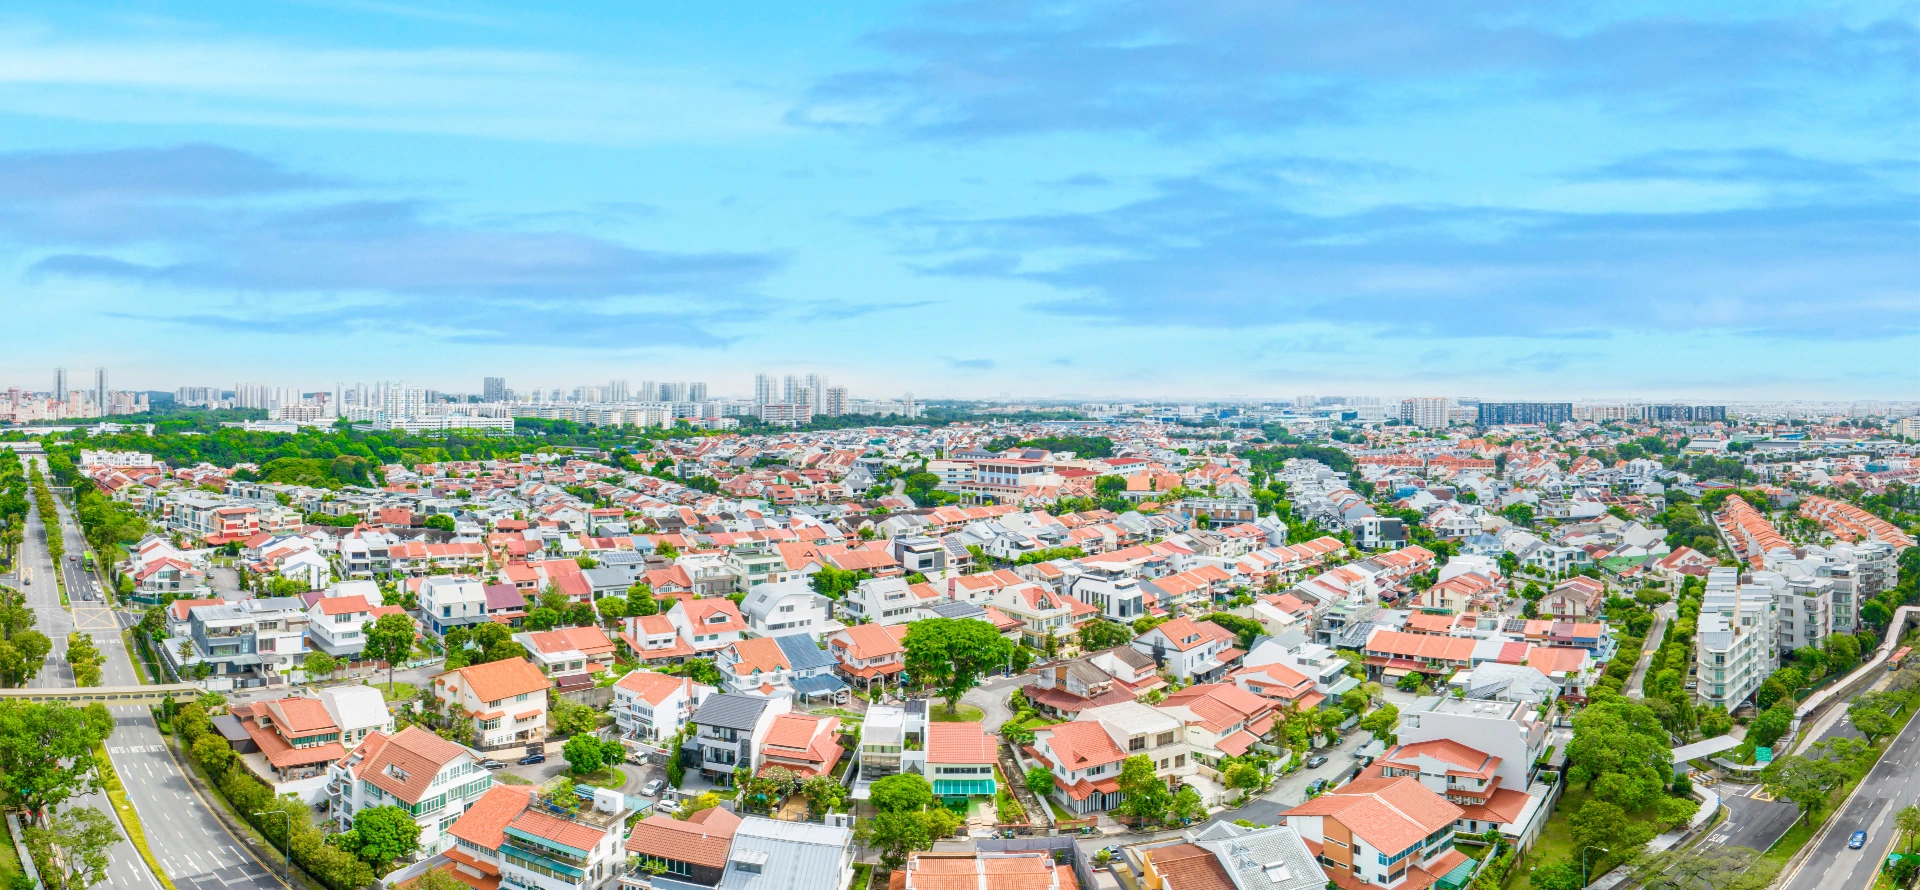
x,y
952,654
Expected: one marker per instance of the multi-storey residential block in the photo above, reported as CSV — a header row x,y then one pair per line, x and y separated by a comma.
x,y
1511,731
729,731
1735,646
448,601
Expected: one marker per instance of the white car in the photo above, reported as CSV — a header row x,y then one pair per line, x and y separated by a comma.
x,y
652,789
666,806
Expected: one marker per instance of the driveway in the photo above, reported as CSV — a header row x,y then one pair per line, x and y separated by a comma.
x,y
638,775
1291,791
991,698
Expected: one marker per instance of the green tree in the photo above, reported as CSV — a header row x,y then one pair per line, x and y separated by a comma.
x,y
1908,821
153,622
1805,781
1143,795
1187,805
1040,781
586,753
895,835
1382,722
1872,714
47,752
1103,635
952,654
705,801
440,521
901,793
319,664
384,834
390,639
702,670
73,847
1770,725
824,794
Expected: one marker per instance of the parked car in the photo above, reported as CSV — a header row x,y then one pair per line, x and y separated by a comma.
x,y
652,789
1858,840
667,806
493,764
1316,761
533,758
1316,785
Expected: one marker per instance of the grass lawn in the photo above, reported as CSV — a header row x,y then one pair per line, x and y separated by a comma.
x,y
9,860
602,778
862,872
1556,837
401,691
1059,812
507,778
962,714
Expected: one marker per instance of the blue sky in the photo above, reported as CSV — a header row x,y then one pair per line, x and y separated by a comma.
x,y
1506,199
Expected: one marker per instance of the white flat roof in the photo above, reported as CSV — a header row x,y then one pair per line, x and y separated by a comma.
x,y
1707,748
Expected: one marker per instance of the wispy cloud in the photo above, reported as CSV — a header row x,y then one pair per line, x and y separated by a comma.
x,y
969,364
1208,252
461,282
1188,71
526,96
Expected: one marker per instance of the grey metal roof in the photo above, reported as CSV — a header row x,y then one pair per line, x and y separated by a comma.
x,y
803,653
797,855
957,609
820,684
600,578
1263,859
729,711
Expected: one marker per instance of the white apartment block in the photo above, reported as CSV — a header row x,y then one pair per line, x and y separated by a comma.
x,y
1735,644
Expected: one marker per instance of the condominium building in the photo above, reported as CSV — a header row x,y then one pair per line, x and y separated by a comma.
x,y
1735,644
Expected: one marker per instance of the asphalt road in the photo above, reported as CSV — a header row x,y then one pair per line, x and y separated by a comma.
x,y
193,847
1754,820
124,868
1894,783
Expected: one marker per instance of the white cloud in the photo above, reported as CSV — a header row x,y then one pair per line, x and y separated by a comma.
x,y
528,96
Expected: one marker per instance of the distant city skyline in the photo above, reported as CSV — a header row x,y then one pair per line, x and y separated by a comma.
x,y
1657,200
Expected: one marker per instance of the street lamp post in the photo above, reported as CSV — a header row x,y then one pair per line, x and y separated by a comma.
x,y
1583,861
287,851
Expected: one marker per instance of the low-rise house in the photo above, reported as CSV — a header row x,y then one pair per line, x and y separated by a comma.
x,y
1109,676
1223,855
1393,654
1576,597
1194,651
447,602
812,668
358,710
1510,731
869,652
1280,683
337,625
650,708
692,852
507,700
785,607
434,780
960,760
729,733
707,624
1086,769
756,666
655,640
520,837
802,744
1468,779
1000,871
1388,833
572,656
1222,720
296,737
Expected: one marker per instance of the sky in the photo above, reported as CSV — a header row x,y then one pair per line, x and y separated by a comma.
x,y
1190,198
